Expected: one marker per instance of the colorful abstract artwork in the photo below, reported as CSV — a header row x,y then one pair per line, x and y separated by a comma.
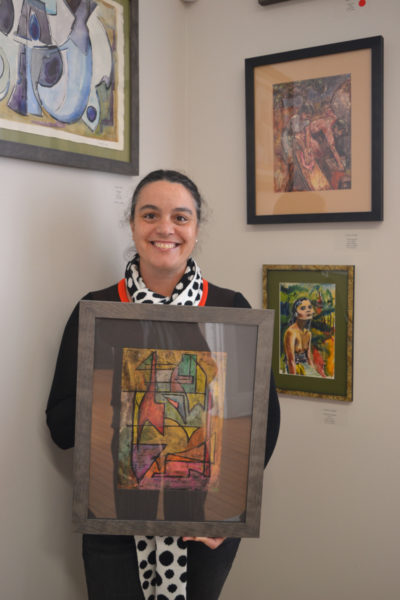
x,y
307,329
63,66
312,134
171,419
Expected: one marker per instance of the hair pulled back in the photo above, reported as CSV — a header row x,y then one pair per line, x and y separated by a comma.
x,y
172,177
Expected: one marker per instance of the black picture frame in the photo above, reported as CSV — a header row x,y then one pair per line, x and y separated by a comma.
x,y
118,489
286,96
111,143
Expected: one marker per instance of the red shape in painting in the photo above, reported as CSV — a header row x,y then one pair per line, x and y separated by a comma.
x,y
362,2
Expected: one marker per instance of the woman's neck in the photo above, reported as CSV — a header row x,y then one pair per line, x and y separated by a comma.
x,y
301,324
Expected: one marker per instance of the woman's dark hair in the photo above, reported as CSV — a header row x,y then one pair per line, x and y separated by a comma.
x,y
172,177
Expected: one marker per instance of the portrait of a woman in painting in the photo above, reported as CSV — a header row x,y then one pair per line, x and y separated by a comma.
x,y
297,340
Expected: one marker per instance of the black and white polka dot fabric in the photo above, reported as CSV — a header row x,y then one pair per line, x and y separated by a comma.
x,y
162,561
188,290
162,567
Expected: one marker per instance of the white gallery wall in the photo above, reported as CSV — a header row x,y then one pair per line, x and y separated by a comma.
x,y
330,525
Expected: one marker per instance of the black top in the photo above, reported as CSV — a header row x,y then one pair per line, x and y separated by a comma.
x,y
60,410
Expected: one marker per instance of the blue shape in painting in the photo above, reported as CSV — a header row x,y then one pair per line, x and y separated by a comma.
x,y
71,79
17,101
6,16
92,115
32,104
66,101
50,66
34,27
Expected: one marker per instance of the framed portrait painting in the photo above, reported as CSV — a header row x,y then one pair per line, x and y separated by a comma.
x,y
314,128
171,423
69,83
313,340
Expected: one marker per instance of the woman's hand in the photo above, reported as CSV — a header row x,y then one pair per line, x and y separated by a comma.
x,y
211,542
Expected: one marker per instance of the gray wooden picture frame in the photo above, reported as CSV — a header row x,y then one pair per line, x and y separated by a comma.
x,y
105,330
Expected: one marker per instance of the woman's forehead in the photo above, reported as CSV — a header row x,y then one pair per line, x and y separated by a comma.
x,y
165,193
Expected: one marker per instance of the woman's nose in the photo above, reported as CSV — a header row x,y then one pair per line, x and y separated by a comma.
x,y
165,226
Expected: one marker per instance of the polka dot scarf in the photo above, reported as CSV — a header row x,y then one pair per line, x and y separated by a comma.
x,y
188,290
162,561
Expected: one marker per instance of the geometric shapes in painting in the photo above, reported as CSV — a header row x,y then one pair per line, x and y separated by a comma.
x,y
59,69
171,419
312,134
307,329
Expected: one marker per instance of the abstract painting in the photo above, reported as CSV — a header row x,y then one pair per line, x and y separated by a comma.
x,y
312,134
313,342
66,79
171,419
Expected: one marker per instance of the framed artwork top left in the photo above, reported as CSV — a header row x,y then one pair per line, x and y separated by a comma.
x,y
69,83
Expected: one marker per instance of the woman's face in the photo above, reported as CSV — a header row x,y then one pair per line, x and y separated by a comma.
x,y
304,310
164,228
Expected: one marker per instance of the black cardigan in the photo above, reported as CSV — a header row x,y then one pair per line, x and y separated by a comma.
x,y
61,404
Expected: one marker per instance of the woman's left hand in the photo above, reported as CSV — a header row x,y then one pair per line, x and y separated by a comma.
x,y
211,542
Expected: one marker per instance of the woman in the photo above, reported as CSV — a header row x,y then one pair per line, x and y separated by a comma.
x,y
165,216
297,340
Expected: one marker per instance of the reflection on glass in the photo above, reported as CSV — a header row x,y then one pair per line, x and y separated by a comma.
x,y
170,435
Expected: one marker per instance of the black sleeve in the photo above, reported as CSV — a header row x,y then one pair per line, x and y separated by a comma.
x,y
274,411
60,411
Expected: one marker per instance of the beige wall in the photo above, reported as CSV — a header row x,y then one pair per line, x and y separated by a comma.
x,y
330,524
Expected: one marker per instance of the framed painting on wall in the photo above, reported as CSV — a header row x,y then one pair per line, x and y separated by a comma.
x,y
314,127
313,340
69,83
171,419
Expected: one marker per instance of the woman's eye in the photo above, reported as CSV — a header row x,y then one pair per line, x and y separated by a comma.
x,y
181,219
149,216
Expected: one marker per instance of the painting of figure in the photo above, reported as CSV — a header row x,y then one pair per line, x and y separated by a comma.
x,y
312,134
307,329
170,432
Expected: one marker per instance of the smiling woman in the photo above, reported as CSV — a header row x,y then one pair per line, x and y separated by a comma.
x,y
165,215
164,228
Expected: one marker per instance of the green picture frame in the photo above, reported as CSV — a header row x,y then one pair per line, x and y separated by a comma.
x,y
312,356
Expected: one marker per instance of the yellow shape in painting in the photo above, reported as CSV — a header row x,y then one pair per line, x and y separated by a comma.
x,y
190,431
194,399
200,380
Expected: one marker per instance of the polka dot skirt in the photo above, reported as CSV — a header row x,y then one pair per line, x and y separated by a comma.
x,y
162,567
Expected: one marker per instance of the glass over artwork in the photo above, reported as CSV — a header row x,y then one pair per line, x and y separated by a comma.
x,y
312,134
170,431
313,342
307,329
171,419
